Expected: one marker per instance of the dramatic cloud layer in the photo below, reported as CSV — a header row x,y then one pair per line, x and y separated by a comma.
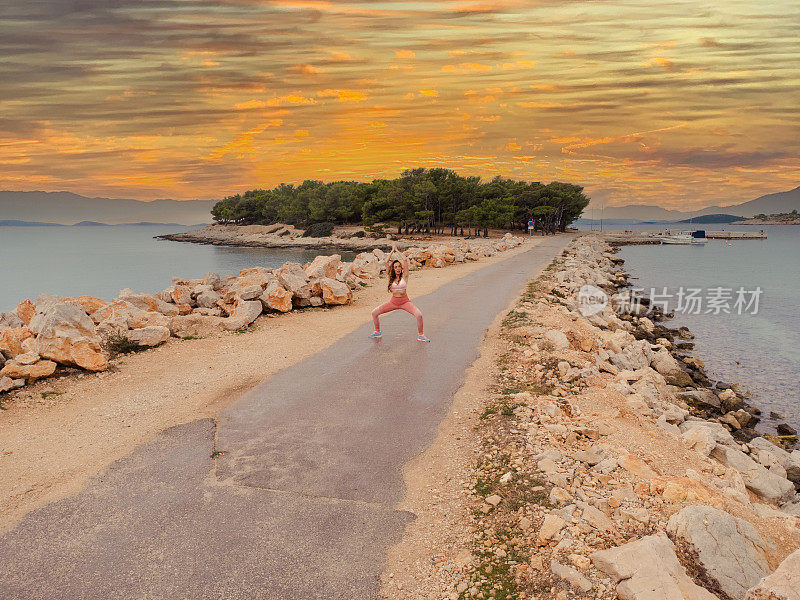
x,y
679,103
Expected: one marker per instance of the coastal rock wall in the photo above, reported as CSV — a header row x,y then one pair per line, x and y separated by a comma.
x,y
53,335
609,466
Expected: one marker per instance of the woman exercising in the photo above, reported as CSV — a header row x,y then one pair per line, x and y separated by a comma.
x,y
397,270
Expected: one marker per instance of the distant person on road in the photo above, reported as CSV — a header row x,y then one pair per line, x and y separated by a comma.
x,y
397,271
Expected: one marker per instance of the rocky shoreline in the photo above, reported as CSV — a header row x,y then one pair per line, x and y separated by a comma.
x,y
283,236
607,467
74,335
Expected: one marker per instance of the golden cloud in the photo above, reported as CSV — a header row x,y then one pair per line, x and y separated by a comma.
x,y
342,95
290,99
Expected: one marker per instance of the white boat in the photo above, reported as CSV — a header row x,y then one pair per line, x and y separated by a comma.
x,y
685,237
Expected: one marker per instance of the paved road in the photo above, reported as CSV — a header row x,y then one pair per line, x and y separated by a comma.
x,y
290,494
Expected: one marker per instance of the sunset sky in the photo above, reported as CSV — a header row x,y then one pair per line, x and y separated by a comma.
x,y
679,103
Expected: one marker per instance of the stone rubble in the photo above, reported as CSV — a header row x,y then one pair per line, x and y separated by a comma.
x,y
610,467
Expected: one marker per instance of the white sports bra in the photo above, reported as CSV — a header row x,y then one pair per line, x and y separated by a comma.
x,y
399,286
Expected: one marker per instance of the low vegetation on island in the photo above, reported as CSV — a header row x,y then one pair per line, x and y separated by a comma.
x,y
420,200
788,218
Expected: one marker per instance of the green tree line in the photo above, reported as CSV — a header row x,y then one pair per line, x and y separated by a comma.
x,y
420,200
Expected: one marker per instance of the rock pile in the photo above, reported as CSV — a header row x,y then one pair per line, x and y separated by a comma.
x,y
609,467
77,332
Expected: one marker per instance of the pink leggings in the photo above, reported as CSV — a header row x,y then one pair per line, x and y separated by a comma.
x,y
403,304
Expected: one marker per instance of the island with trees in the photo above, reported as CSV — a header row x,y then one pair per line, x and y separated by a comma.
x,y
421,200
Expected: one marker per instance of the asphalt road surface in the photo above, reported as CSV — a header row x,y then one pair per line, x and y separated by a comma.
x,y
290,493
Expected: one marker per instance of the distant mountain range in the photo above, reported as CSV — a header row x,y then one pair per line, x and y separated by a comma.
x,y
781,202
66,208
17,223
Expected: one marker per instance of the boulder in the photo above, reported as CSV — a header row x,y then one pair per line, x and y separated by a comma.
x,y
260,276
783,584
367,266
145,302
26,310
648,569
244,313
140,319
557,338
194,325
117,311
149,336
729,548
665,363
28,358
248,292
294,269
11,341
178,294
213,280
208,299
30,373
758,479
551,527
296,284
700,439
335,292
276,297
89,304
7,384
730,401
10,320
596,518
716,430
323,266
572,575
66,335
701,399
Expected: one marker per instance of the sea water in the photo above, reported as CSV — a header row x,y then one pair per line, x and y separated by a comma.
x,y
101,260
761,351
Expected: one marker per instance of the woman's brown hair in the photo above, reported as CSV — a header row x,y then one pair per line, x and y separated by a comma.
x,y
392,274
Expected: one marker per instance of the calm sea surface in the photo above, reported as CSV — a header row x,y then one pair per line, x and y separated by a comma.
x,y
761,351
100,261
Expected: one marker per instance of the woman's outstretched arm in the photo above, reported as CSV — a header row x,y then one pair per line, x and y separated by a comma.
x,y
402,258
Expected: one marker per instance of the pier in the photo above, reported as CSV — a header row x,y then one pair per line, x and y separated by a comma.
x,y
655,237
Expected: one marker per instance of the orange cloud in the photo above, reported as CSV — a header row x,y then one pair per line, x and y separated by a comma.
x,y
250,104
574,143
342,95
539,104
405,54
659,61
339,56
305,69
429,93
289,99
520,64
242,145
